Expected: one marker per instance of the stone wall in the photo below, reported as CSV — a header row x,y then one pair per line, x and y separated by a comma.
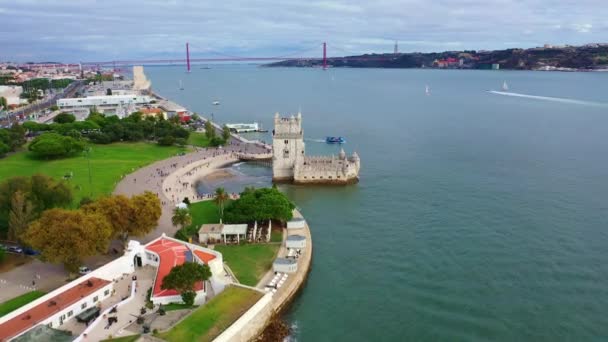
x,y
250,324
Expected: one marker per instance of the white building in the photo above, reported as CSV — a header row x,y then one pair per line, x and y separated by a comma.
x,y
296,223
295,241
285,265
11,93
216,232
103,100
58,307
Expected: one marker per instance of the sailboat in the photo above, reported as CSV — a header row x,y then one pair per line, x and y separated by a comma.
x,y
427,90
181,86
505,87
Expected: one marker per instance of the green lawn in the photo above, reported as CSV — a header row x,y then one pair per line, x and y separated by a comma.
x,y
210,320
17,302
202,212
130,338
198,139
177,306
108,164
249,262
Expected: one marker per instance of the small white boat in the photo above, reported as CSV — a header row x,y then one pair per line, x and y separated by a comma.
x,y
505,86
216,103
427,90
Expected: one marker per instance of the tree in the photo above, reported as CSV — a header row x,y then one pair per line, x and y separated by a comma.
x,y
135,216
109,92
184,277
4,149
63,118
260,205
53,145
166,140
220,199
3,103
54,108
21,214
68,236
209,130
225,133
181,217
43,192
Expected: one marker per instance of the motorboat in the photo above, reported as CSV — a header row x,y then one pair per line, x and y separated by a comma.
x,y
335,140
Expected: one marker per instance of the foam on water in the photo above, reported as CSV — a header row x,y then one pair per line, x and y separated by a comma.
x,y
549,98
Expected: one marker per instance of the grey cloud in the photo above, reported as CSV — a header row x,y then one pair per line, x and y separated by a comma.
x,y
105,30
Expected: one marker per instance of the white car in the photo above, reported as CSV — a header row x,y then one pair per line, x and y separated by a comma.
x,y
84,270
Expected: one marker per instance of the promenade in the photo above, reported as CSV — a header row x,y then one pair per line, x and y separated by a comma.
x,y
174,178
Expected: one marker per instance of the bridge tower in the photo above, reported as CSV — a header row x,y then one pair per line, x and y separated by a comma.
x,y
188,56
396,48
324,55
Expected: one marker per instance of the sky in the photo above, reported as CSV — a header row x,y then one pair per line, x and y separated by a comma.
x,y
107,30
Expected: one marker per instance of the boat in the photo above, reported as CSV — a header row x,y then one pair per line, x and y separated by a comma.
x,y
427,90
216,103
505,87
335,140
181,86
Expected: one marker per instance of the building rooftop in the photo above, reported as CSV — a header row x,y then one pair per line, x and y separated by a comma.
x,y
218,228
285,261
49,307
171,254
296,238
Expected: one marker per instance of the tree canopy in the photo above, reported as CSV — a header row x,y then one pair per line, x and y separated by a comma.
x,y
11,138
259,205
36,194
135,216
53,145
69,236
64,118
184,277
181,217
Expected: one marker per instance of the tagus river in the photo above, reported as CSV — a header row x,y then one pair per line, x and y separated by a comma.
x,y
478,217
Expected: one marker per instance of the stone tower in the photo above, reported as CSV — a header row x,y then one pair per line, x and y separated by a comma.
x,y
287,147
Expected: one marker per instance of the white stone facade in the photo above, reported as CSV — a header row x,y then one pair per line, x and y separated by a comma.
x,y
290,163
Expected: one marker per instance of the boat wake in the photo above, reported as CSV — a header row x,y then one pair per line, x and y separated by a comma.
x,y
315,140
549,98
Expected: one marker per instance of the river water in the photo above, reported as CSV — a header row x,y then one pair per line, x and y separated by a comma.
x,y
478,216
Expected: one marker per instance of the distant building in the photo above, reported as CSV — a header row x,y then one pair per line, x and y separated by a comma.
x,y
140,81
218,232
290,164
154,112
496,66
109,104
295,241
12,94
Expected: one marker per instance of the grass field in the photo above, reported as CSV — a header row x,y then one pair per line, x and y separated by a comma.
x,y
198,139
108,164
177,306
249,262
131,338
17,302
202,212
214,317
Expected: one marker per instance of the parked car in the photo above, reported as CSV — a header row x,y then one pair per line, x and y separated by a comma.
x,y
29,251
84,270
15,249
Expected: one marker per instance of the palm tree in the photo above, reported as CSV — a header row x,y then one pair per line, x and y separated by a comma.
x,y
181,217
220,198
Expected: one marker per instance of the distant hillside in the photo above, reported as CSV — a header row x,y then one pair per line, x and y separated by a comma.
x,y
587,57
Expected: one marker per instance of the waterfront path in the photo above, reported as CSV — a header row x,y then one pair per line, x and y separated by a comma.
x,y
175,178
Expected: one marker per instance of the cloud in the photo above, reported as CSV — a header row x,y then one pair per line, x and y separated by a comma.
x,y
69,30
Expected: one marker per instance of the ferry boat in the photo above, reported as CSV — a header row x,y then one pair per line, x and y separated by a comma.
x,y
335,140
216,103
243,127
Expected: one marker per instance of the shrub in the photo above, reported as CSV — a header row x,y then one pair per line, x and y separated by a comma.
x,y
53,145
188,297
166,140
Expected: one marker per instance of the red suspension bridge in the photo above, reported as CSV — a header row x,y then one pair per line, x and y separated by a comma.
x,y
188,61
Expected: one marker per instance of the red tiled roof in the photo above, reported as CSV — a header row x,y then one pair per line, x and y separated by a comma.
x,y
49,307
151,110
205,257
171,254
